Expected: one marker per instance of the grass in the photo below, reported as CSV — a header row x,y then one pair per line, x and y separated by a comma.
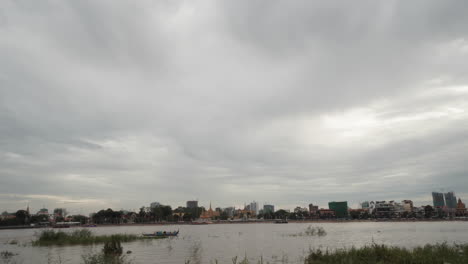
x,y
382,254
111,254
81,237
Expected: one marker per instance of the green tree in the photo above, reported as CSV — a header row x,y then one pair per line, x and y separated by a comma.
x,y
22,217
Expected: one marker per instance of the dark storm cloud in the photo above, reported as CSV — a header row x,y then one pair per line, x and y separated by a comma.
x,y
275,101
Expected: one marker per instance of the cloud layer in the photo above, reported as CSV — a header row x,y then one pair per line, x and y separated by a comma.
x,y
119,103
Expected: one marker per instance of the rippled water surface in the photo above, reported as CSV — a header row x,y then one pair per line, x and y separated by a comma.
x,y
276,243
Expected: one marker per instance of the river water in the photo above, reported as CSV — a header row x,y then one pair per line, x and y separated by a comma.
x,y
275,243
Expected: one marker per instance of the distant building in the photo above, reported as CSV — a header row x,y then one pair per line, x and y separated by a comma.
x,y
230,211
254,207
326,213
450,200
407,205
461,208
438,199
192,204
365,205
43,211
313,209
210,214
383,209
340,208
268,208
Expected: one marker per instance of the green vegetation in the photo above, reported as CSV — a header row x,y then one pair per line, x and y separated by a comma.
x,y
81,237
311,231
111,254
382,254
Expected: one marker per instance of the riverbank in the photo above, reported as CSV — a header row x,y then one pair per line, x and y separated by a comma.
x,y
314,221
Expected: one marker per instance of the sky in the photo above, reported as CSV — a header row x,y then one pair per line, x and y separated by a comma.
x,y
117,104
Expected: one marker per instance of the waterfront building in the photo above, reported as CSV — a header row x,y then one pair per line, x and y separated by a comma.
x,y
340,208
43,211
383,209
461,208
450,200
192,204
254,207
230,211
438,199
210,214
313,209
365,205
268,208
326,213
407,205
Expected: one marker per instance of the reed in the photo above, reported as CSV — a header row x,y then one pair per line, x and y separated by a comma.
x,y
382,254
81,237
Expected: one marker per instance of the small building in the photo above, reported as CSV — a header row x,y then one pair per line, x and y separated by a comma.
x,y
461,208
407,205
313,209
326,213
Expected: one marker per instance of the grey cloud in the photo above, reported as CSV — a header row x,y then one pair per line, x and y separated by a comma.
x,y
230,102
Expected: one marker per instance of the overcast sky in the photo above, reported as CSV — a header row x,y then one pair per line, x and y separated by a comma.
x,y
122,103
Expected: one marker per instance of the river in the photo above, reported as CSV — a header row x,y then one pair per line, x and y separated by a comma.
x,y
276,243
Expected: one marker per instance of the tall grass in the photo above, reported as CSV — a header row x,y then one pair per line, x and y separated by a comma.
x,y
382,254
80,237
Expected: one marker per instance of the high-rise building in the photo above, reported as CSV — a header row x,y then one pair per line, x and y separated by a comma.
x,y
450,200
192,204
438,199
254,207
268,208
340,208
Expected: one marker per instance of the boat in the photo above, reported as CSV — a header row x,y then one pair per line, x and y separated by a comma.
x,y
161,234
281,221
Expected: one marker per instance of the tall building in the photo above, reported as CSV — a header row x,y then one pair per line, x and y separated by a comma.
x,y
340,208
438,199
192,204
254,207
268,208
450,200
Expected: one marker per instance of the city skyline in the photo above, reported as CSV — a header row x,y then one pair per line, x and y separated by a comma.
x,y
119,104
260,206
